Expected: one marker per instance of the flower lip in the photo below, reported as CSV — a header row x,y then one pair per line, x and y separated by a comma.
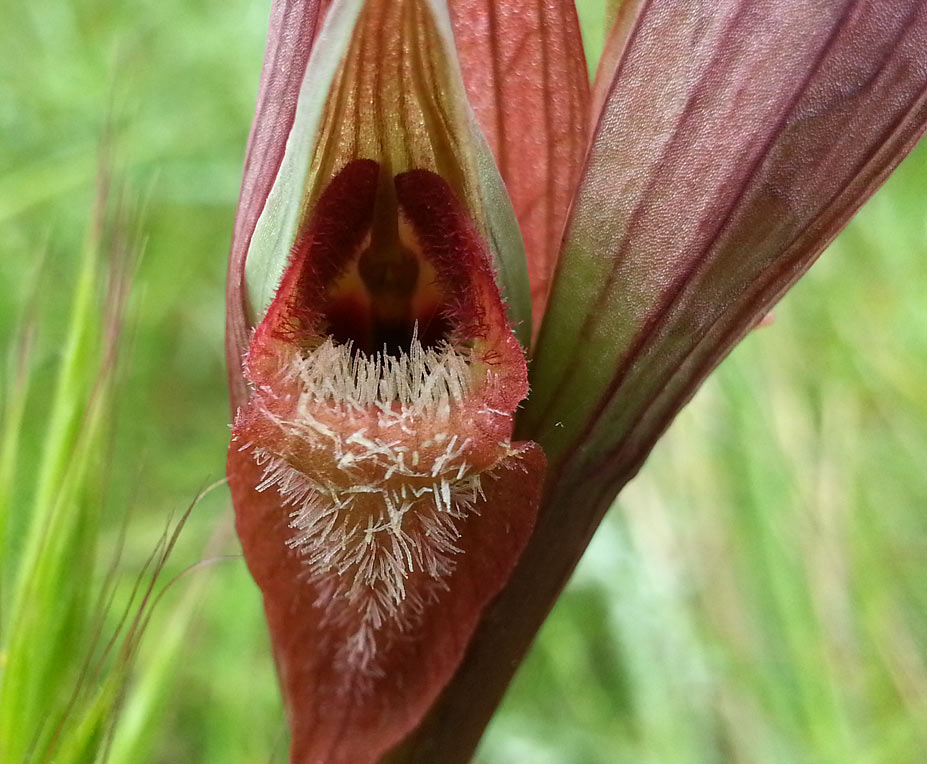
x,y
385,376
378,484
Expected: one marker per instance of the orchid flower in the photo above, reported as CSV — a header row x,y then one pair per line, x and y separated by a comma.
x,y
468,292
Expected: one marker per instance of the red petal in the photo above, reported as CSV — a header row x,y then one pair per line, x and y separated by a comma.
x,y
293,25
526,77
336,718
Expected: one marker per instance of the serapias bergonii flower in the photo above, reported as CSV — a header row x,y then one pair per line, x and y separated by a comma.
x,y
381,501
380,306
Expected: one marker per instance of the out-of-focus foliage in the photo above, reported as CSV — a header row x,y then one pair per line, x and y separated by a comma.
x,y
758,594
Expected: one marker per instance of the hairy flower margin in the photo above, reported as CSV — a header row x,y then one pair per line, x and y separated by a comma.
x,y
380,303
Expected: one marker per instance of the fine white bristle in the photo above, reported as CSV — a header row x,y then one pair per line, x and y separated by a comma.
x,y
422,380
414,507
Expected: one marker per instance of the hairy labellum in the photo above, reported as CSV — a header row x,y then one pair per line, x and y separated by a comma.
x,y
376,453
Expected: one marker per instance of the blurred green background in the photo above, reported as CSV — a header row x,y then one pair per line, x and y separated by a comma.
x,y
759,592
